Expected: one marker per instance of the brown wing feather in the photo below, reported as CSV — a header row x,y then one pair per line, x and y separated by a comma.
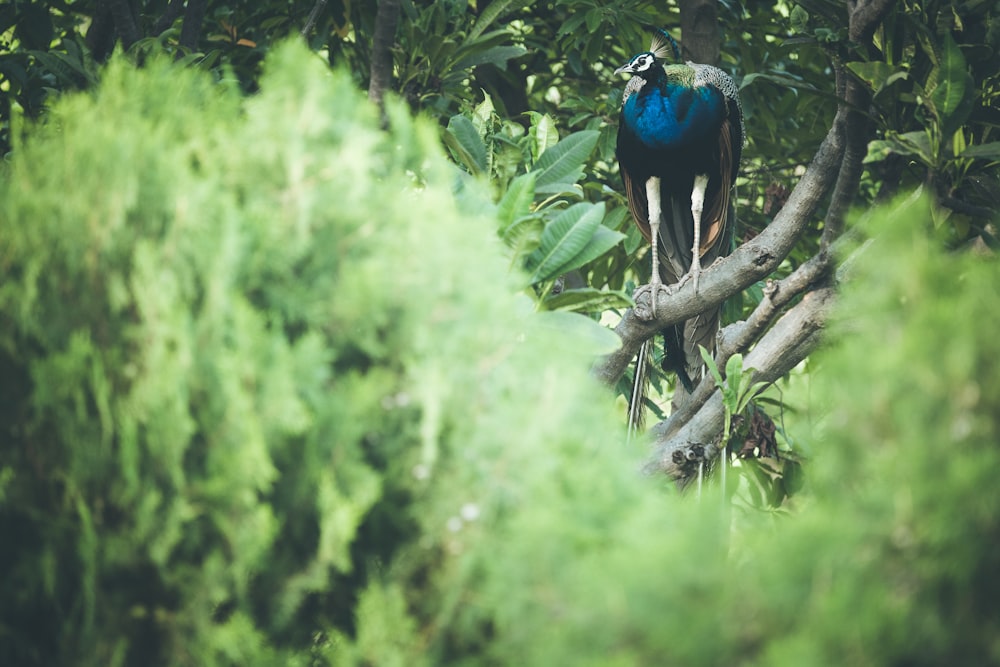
x,y
637,206
714,224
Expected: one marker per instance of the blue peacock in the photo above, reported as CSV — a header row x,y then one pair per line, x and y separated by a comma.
x,y
680,137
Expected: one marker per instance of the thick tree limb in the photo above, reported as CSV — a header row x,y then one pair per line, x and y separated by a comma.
x,y
792,338
739,336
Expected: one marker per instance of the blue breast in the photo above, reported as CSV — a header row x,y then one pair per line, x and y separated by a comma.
x,y
671,116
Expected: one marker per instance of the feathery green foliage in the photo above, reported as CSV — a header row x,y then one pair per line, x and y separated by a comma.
x,y
239,339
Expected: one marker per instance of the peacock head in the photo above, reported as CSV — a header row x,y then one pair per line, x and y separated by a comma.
x,y
642,65
646,63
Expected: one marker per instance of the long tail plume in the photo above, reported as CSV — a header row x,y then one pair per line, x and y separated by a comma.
x,y
640,388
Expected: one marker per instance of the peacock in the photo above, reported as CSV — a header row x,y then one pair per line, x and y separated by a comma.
x,y
680,137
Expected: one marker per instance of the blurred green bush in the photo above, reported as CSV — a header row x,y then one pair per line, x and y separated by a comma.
x,y
268,396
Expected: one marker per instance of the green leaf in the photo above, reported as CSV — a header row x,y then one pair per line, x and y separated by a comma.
x,y
493,11
524,236
464,141
516,202
872,73
564,237
600,242
990,151
711,365
495,55
543,133
564,162
878,75
734,372
586,300
910,143
951,95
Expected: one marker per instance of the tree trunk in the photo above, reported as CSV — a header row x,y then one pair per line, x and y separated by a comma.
x,y
700,31
385,36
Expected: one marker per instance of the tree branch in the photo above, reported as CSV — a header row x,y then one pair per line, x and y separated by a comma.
x,y
739,336
792,338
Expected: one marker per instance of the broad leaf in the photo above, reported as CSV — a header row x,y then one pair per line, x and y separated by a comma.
x,y
543,133
494,55
565,236
951,95
600,242
563,163
464,141
586,300
516,202
524,236
990,151
493,11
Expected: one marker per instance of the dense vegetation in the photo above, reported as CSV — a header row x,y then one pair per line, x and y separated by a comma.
x,y
289,379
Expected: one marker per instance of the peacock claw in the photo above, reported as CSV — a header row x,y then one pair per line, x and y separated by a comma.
x,y
649,293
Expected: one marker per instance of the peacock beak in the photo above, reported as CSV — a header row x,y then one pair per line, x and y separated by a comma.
x,y
626,68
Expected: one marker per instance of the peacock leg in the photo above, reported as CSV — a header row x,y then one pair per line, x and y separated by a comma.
x,y
655,216
697,206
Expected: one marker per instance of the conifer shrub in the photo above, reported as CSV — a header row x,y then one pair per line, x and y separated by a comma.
x,y
243,341
268,396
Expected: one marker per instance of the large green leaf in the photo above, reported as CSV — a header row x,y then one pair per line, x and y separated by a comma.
x,y
909,143
543,133
524,236
516,202
602,241
563,163
877,74
563,238
951,96
495,55
586,300
466,144
493,11
990,151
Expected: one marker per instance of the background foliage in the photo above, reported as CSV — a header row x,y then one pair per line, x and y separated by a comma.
x,y
276,387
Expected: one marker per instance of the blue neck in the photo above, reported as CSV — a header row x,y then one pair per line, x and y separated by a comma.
x,y
665,114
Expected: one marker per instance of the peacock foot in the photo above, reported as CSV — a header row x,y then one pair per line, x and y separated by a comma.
x,y
645,297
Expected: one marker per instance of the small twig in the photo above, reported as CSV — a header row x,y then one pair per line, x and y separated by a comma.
x,y
313,17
